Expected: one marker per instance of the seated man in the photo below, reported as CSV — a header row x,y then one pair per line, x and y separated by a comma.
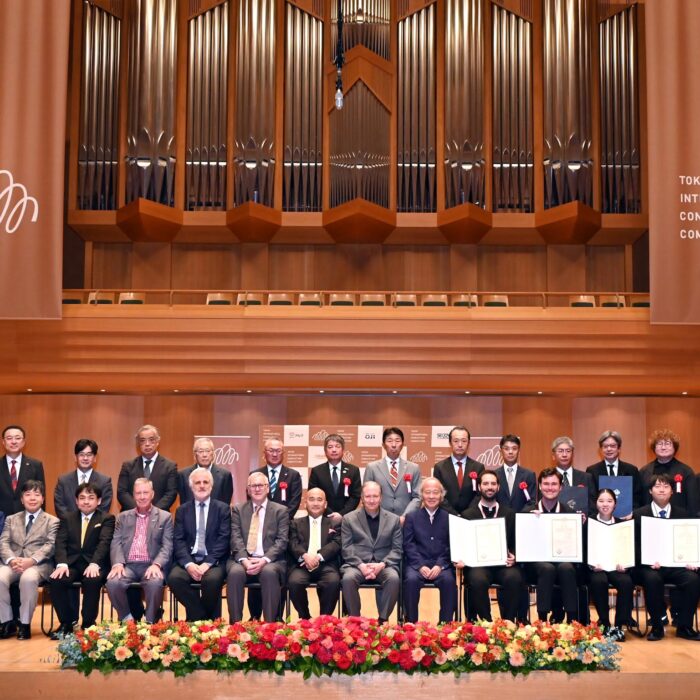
x,y
26,549
426,546
259,536
509,577
314,548
82,554
141,551
201,547
653,578
372,540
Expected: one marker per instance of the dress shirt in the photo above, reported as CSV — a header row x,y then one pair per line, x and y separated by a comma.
x,y
656,510
259,551
373,523
83,517
569,481
138,552
81,478
615,466
18,463
197,515
540,506
431,514
311,527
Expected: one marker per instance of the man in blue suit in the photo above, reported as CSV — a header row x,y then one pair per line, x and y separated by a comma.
x,y
201,549
222,489
426,546
512,475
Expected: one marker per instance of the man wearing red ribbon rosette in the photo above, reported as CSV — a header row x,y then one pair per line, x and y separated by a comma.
x,y
517,485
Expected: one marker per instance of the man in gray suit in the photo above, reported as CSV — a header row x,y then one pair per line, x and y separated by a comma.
x,y
85,461
259,535
372,550
141,551
26,549
399,479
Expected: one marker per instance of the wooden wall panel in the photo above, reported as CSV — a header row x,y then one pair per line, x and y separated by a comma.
x,y
292,267
111,265
605,269
512,269
152,266
566,268
206,266
463,268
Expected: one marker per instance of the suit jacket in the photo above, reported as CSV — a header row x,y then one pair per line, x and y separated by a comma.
x,y
320,477
397,501
217,533
39,543
645,511
95,549
585,481
457,500
275,531
623,469
29,469
474,513
517,500
163,476
299,535
360,548
293,494
159,537
687,498
222,490
426,543
64,494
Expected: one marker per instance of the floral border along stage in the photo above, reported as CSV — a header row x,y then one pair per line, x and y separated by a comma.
x,y
327,645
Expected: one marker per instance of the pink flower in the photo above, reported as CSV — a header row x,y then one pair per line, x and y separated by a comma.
x,y
559,654
517,658
205,656
477,659
146,655
122,653
587,657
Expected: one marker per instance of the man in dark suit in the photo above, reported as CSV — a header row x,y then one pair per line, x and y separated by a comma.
x,y
259,537
610,443
314,549
201,545
511,477
86,461
454,473
16,469
573,480
82,555
204,459
284,483
161,472
426,548
653,577
339,481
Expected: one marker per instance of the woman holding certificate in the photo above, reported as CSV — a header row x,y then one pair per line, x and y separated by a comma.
x,y
608,559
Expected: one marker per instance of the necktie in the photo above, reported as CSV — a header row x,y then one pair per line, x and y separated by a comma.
x,y
314,537
201,550
273,482
460,474
30,522
83,529
83,477
252,543
335,478
147,468
394,475
565,478
611,469
510,477
662,513
13,474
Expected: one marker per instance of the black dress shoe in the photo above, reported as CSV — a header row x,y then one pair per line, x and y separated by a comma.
x,y
8,629
24,632
656,634
688,633
61,632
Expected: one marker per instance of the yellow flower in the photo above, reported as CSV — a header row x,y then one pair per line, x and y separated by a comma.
x,y
481,648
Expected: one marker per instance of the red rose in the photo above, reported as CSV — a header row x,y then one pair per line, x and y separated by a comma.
x,y
283,485
346,481
359,656
678,478
407,477
522,486
473,475
426,660
197,648
343,663
279,641
394,656
295,648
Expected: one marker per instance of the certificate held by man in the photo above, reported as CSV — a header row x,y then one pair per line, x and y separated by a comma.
x,y
610,546
671,543
552,538
478,542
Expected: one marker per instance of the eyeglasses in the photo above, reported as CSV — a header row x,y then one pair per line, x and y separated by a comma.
x,y
203,451
664,443
275,451
144,441
257,486
85,454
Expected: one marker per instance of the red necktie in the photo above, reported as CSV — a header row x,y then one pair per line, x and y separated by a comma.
x,y
460,474
13,474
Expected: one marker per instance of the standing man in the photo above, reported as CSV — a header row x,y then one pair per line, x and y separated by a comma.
x,y
64,498
141,551
222,490
314,549
161,472
563,458
82,555
259,537
426,546
26,549
511,477
16,469
398,479
372,550
610,443
284,483
455,472
340,481
201,548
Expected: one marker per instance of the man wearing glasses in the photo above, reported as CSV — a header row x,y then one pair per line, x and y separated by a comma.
x,y
222,489
161,472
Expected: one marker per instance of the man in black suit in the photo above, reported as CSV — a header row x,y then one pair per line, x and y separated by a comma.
x,y
201,548
653,577
86,461
284,483
340,481
512,476
82,554
222,490
161,472
573,480
610,443
314,549
458,473
16,469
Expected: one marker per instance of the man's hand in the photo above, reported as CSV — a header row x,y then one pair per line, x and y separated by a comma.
x,y
194,572
59,572
92,571
153,572
21,564
510,559
367,570
336,518
117,571
254,565
311,561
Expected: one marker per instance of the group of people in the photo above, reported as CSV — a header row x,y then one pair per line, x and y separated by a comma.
x,y
397,541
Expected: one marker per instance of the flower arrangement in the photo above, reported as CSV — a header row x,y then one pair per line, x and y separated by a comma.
x,y
325,645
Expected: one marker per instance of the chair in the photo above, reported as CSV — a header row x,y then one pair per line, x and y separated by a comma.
x,y
495,300
465,300
101,298
72,298
433,300
612,300
249,299
341,299
641,301
405,300
219,299
280,299
132,298
372,299
581,300
310,299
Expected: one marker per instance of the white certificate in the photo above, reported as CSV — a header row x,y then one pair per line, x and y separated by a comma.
x,y
610,545
672,543
548,537
478,542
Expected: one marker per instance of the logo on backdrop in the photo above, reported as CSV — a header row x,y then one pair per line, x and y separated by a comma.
x,y
14,200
